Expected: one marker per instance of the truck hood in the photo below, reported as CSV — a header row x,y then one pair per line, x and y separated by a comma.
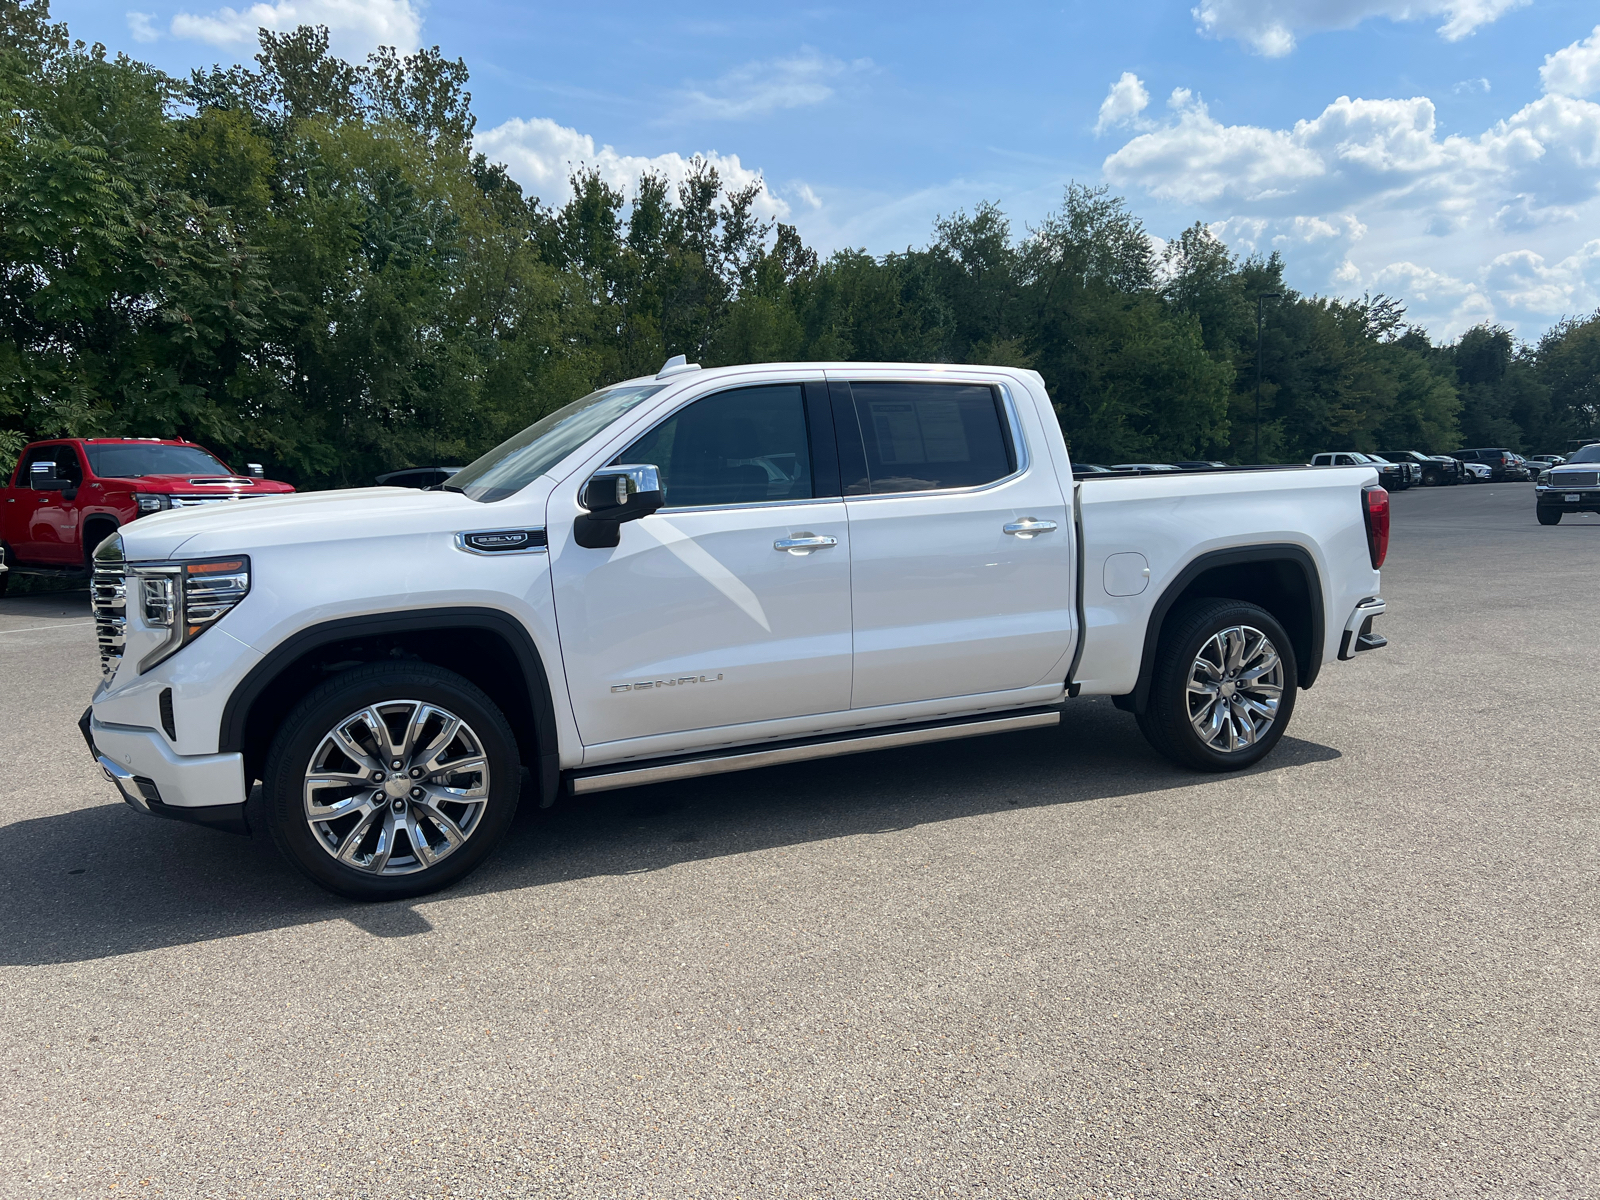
x,y
205,485
353,514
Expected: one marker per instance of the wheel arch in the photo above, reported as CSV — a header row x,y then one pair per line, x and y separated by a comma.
x,y
108,522
1281,577
489,647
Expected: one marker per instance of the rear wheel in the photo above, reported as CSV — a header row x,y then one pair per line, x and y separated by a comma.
x,y
1549,516
392,780
1223,689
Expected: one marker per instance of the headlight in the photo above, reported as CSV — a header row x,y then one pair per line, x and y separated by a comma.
x,y
188,598
150,502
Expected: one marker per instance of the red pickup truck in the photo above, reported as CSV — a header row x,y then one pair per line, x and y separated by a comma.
x,y
69,494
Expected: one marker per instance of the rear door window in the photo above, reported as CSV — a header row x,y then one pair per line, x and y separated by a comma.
x,y
744,446
923,437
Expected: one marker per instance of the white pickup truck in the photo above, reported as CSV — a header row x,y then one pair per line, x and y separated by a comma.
x,y
699,572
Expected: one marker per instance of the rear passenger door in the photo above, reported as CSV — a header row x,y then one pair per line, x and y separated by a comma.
x,y
960,543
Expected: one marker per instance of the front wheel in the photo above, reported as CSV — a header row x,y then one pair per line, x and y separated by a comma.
x,y
392,780
1549,516
1223,689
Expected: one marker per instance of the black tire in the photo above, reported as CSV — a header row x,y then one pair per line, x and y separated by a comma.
x,y
1549,516
305,733
1432,478
7,558
1165,721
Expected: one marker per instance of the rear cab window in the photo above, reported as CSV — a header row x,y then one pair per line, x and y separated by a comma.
x,y
921,437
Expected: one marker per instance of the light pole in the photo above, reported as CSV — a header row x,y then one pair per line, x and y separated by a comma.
x,y
1260,299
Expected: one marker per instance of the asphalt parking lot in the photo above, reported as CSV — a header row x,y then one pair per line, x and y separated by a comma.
x,y
1039,964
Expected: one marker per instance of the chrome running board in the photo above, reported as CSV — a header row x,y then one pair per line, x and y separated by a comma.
x,y
605,779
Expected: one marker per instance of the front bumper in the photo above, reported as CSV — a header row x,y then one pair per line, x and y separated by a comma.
x,y
1358,635
1556,499
203,789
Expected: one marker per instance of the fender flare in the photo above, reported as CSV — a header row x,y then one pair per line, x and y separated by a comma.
x,y
233,727
1230,557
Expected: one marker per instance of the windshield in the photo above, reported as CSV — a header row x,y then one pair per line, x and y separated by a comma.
x,y
1586,454
516,462
130,460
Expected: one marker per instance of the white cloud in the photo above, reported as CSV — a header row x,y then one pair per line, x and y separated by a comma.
x,y
1416,282
142,26
1270,27
355,27
542,156
759,89
1358,150
1371,193
1123,103
1575,69
1522,280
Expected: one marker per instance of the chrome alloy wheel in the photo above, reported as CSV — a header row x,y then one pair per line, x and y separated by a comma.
x,y
1235,686
396,787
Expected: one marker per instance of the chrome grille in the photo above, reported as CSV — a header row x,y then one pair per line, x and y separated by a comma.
x,y
109,595
1572,479
197,501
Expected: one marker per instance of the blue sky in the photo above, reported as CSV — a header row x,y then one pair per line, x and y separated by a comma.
x,y
1446,151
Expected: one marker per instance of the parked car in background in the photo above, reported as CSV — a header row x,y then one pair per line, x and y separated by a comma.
x,y
1501,462
1546,461
1145,467
68,495
417,477
1394,476
1572,487
1476,472
1436,472
1413,471
1199,465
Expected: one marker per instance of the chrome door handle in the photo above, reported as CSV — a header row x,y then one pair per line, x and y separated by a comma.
x,y
804,543
1029,527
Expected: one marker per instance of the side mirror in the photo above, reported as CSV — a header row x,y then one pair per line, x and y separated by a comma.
x,y
614,495
42,477
254,470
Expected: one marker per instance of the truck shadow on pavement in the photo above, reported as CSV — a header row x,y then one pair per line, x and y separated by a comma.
x,y
103,881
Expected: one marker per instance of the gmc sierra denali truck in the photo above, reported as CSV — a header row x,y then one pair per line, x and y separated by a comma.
x,y
700,572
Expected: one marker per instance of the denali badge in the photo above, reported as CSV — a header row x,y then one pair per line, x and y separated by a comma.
x,y
680,681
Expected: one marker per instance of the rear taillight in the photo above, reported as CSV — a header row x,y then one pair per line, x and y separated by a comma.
x,y
1375,509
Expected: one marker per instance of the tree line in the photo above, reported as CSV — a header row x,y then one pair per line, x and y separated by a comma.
x,y
304,262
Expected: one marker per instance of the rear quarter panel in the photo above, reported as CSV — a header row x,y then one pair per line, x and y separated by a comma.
x,y
1173,520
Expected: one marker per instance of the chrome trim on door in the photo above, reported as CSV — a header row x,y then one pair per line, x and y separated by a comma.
x,y
1029,527
724,763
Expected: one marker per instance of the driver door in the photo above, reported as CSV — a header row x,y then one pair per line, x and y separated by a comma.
x,y
731,604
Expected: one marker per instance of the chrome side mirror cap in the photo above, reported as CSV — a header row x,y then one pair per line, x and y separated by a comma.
x,y
614,495
255,470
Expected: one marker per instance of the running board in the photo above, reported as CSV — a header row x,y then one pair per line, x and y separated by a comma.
x,y
605,779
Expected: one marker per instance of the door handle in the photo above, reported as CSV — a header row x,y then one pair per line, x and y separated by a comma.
x,y
804,543
1029,527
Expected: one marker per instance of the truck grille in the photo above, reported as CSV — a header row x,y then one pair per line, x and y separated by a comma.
x,y
109,594
1572,479
197,501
